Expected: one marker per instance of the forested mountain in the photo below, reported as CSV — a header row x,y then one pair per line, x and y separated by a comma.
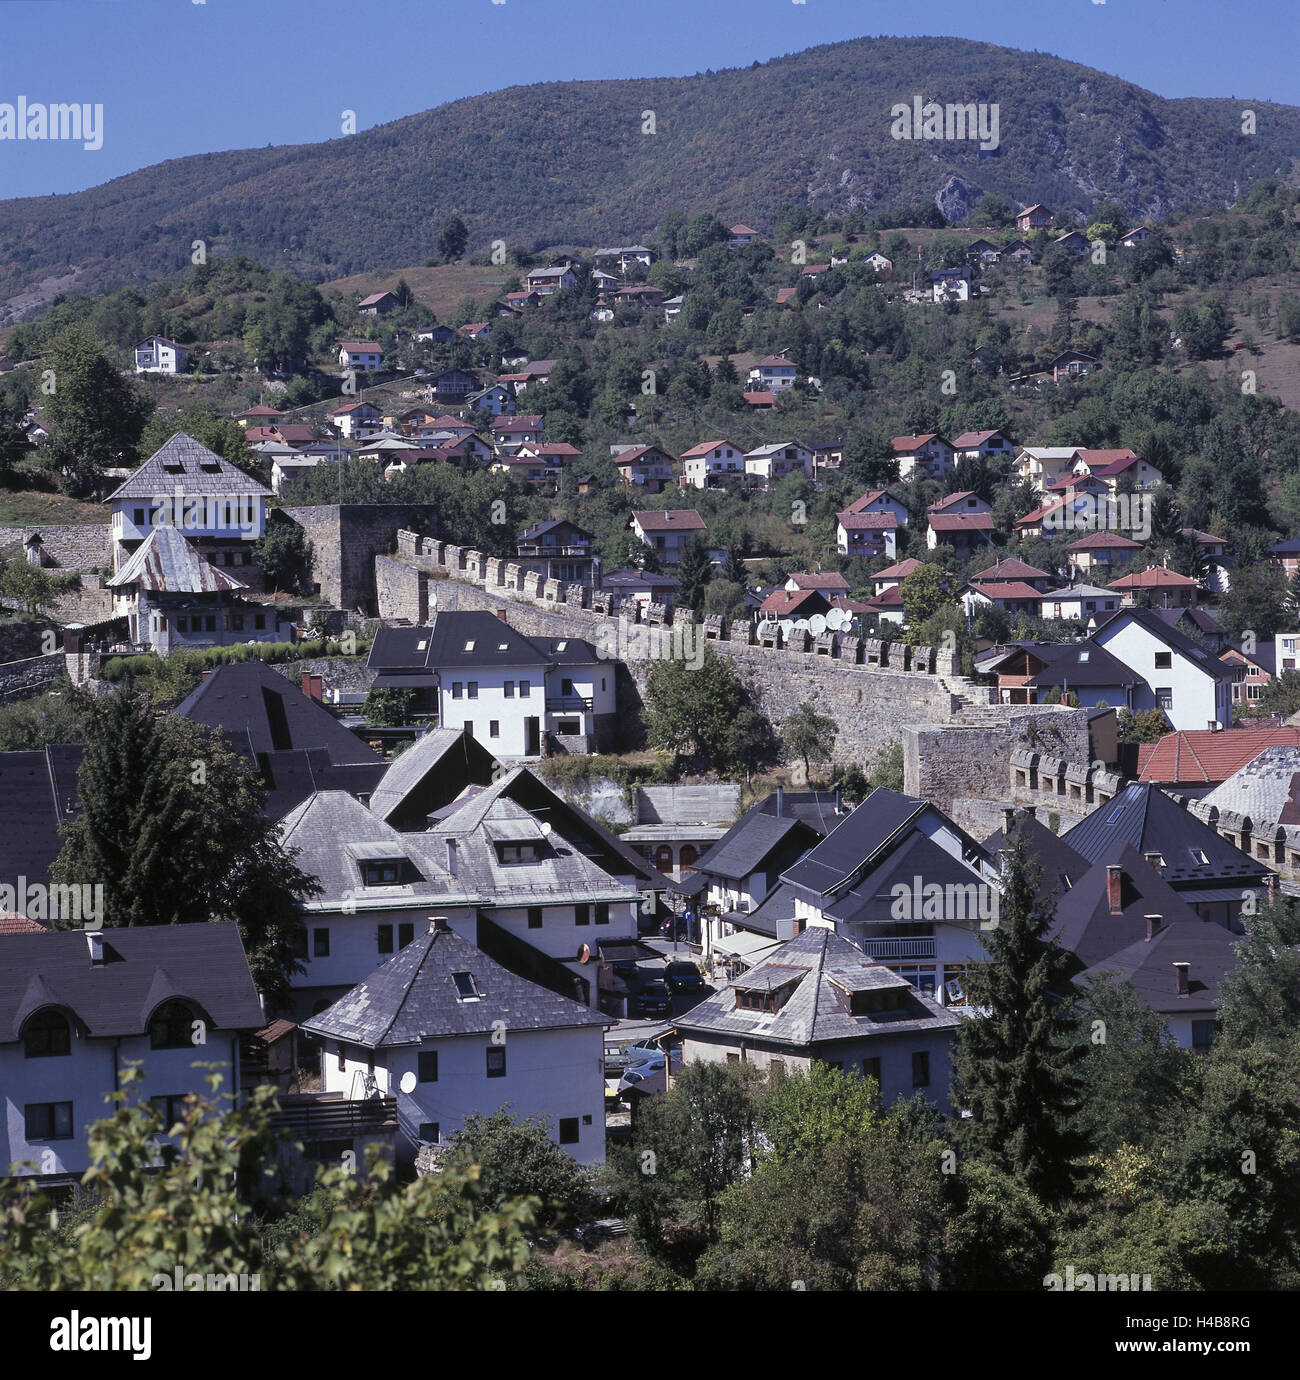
x,y
569,163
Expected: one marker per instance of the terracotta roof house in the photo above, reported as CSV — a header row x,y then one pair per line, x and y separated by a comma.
x,y
668,530
1009,568
796,603
982,445
1101,552
1196,759
929,453
1165,588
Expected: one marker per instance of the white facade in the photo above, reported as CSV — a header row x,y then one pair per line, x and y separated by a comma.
x,y
159,356
776,461
361,358
1190,696
720,461
554,1074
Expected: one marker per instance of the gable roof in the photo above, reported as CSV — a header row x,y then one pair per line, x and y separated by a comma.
x,y
754,839
1156,577
413,997
1264,787
1203,756
143,966
1009,568
263,712
1059,865
670,520
1172,637
182,464
1144,817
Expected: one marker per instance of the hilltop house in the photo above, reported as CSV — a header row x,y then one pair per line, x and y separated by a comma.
x,y
509,433
1072,363
1099,553
929,454
644,467
961,520
356,419
982,445
668,530
950,284
545,281
559,550
1166,589
377,304
775,461
360,356
1035,217
705,464
772,374
158,355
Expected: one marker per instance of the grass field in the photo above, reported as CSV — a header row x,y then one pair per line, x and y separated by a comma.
x,y
441,289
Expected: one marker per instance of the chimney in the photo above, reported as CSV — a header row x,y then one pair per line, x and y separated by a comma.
x,y
451,856
1155,860
501,614
438,925
1153,926
839,804
1114,888
1271,883
1180,978
312,686
780,801
95,944
1008,821
1031,811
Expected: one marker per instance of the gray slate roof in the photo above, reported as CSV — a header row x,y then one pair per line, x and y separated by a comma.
x,y
144,966
822,962
38,791
413,998
753,840
1261,789
185,464
440,752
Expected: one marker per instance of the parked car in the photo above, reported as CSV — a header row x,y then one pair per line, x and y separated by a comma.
x,y
683,976
654,999
649,1077
628,969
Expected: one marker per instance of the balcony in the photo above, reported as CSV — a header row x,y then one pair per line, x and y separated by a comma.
x,y
331,1116
899,948
532,548
572,704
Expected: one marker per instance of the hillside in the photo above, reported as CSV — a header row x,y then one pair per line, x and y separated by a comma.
x,y
566,162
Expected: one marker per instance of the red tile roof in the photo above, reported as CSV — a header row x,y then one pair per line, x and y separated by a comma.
x,y
1201,756
704,447
969,439
821,579
1009,568
1010,589
906,444
958,522
1157,577
763,398
670,520
786,603
949,500
867,522
1103,541
900,571
11,923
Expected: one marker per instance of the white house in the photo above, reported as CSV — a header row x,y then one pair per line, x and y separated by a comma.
x,y
545,281
668,530
819,998
982,445
1044,466
775,461
1080,602
1181,677
360,356
449,1032
929,454
357,419
158,355
709,461
950,285
77,1005
773,374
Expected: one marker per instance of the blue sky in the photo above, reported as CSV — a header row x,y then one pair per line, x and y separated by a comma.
x,y
176,77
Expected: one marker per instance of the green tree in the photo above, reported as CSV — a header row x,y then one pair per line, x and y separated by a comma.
x,y
694,571
690,708
1259,999
388,707
1015,1062
809,735
923,594
95,415
195,1209
285,555
452,239
887,770
171,824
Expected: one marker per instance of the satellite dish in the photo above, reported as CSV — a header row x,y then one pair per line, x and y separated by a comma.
x,y
818,624
767,628
787,627
837,619
546,828
584,954
408,1082
801,625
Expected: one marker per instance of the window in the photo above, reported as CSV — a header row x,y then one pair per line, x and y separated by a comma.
x,y
602,912
298,943
733,1058
871,1069
405,933
582,915
496,1061
47,1034
525,689
343,1057
182,625
466,987
568,1130
1164,660
509,689
457,690
921,1069
320,943
379,874
468,727
431,1132
172,1026
1164,697
534,917
139,517
384,935
210,623
47,1121
237,622
473,690
494,728
1202,1035
259,621
170,1108
428,1066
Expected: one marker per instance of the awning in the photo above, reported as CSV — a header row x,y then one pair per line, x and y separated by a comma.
x,y
750,947
622,949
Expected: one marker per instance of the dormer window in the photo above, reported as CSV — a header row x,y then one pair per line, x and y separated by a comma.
x,y
469,646
517,852
466,987
172,1026
380,874
46,1035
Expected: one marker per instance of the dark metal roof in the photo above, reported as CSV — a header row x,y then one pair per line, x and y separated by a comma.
x,y
414,997
757,840
261,711
38,790
1059,865
858,837
166,563
143,967
1144,817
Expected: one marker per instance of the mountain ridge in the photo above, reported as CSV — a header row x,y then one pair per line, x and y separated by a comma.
x,y
567,163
